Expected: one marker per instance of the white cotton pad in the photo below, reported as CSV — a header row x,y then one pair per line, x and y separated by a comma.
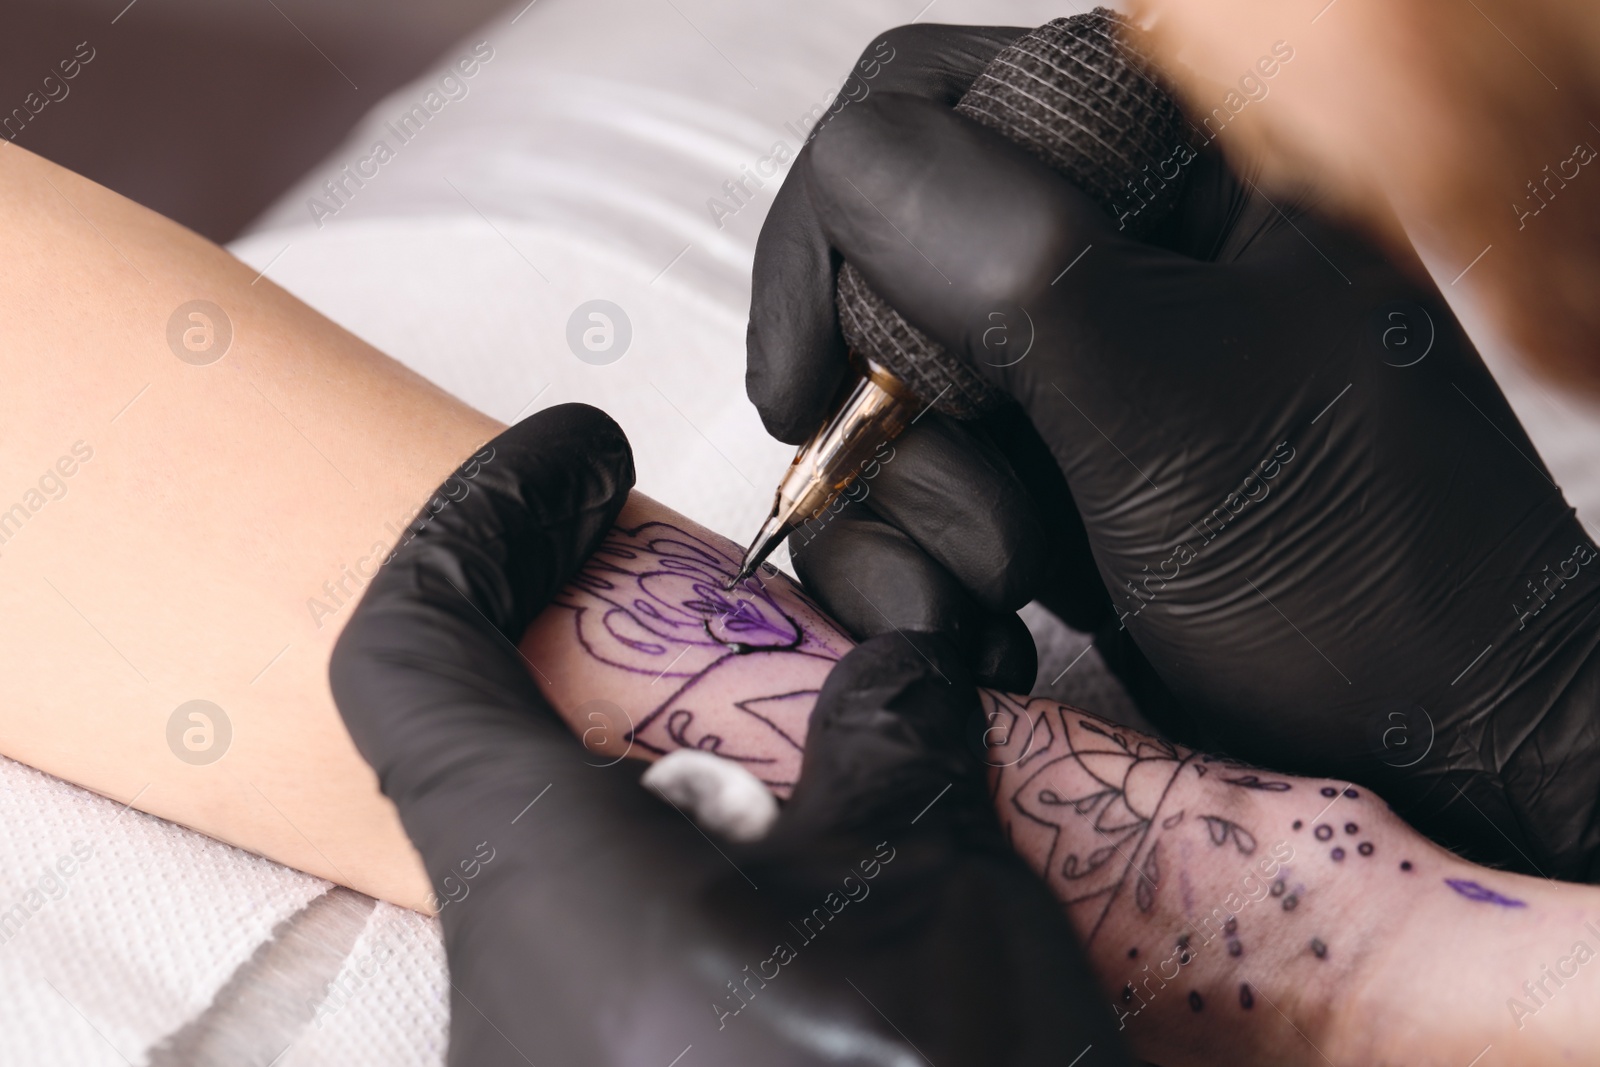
x,y
719,794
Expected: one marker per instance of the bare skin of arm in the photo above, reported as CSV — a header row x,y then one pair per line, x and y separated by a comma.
x,y
217,519
185,554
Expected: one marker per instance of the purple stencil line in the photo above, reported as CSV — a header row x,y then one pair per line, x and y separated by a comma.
x,y
1473,891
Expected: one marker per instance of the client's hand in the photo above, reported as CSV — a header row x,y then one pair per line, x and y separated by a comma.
x,y
1317,515
587,922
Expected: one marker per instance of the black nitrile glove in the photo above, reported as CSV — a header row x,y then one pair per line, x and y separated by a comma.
x,y
1318,518
588,923
991,517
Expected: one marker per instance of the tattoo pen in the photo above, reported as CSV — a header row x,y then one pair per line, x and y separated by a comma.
x,y
1080,94
875,410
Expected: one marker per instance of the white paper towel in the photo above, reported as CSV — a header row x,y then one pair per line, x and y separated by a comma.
x,y
117,927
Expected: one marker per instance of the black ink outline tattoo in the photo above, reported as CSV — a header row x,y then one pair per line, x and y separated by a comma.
x,y
1222,829
1075,768
1119,788
651,601
1250,781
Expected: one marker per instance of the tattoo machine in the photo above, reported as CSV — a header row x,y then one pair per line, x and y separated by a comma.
x,y
1078,93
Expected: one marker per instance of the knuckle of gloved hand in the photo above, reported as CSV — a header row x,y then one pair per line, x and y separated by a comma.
x,y
872,578
909,45
937,62
565,425
1031,233
1003,654
837,155
869,169
796,358
570,455
959,500
905,58
910,671
573,471
795,351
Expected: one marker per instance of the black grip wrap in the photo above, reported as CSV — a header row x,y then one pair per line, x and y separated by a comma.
x,y
1080,94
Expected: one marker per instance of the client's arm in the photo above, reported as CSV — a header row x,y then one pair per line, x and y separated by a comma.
x,y
593,924
1231,914
192,498
648,652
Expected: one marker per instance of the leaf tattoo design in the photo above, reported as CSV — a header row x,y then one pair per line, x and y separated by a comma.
x,y
1069,773
1222,830
1144,893
1250,781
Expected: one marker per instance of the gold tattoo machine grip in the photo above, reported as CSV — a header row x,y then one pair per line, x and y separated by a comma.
x,y
1080,95
876,410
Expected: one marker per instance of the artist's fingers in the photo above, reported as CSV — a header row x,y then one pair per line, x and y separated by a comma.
x,y
957,497
942,215
873,579
889,732
796,355
1071,586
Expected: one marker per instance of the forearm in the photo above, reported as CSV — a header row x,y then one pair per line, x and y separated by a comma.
x,y
208,533
1231,914
646,652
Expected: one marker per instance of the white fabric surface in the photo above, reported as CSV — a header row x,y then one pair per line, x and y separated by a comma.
x,y
100,964
577,166
390,1004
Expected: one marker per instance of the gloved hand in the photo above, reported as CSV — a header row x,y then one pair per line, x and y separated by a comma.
x,y
1318,518
588,923
976,519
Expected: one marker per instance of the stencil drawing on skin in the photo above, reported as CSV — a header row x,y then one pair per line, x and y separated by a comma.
x,y
1207,892
651,602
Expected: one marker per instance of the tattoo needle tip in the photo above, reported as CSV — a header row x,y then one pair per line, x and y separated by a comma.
x,y
774,530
